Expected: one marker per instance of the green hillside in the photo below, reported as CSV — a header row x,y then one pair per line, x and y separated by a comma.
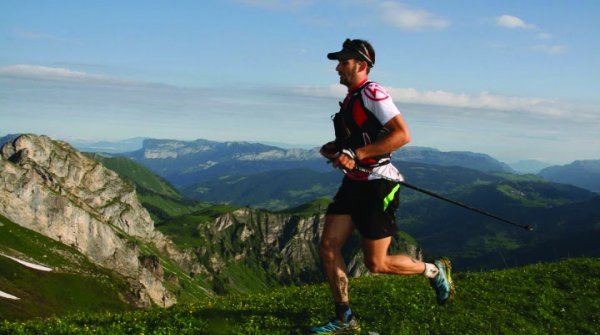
x,y
284,188
156,194
553,298
183,230
141,176
75,284
565,220
274,190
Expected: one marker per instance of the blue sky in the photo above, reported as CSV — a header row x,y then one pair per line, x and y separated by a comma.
x,y
513,79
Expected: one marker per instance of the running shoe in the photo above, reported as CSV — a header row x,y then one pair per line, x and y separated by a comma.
x,y
337,327
442,283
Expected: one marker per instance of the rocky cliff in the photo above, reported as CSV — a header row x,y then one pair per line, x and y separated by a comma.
x,y
49,187
286,246
280,247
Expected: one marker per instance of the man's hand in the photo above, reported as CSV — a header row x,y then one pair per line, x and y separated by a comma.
x,y
340,158
330,151
346,161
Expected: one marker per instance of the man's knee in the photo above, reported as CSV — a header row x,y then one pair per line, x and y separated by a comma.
x,y
328,249
375,266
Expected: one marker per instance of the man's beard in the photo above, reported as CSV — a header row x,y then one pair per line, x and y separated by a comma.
x,y
344,80
347,78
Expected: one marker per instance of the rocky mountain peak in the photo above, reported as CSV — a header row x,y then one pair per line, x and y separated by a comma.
x,y
82,180
49,187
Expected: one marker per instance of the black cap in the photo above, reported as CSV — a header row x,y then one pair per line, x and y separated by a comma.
x,y
355,49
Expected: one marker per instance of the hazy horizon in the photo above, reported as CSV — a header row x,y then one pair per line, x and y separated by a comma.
x,y
136,143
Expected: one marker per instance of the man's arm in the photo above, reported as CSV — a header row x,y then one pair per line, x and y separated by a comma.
x,y
397,137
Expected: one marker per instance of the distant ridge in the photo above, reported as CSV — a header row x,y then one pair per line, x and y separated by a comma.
x,y
583,173
185,163
472,160
7,138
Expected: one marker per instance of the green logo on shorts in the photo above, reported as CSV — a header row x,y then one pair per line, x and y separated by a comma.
x,y
390,197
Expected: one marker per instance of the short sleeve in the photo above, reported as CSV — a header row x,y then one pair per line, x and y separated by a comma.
x,y
379,102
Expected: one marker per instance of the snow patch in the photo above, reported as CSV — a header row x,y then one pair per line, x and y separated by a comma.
x,y
28,264
8,296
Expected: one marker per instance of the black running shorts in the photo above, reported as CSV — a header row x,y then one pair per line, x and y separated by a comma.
x,y
371,204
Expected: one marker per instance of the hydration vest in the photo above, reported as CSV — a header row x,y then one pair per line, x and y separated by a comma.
x,y
356,126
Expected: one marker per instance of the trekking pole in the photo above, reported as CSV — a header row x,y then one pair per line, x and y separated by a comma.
x,y
435,195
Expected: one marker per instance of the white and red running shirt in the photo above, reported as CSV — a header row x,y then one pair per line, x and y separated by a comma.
x,y
378,101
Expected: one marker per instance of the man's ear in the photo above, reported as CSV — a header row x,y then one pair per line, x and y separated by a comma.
x,y
362,66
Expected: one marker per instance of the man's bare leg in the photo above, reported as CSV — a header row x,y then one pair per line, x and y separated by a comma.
x,y
335,233
378,261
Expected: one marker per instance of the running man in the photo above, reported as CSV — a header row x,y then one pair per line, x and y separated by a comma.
x,y
368,128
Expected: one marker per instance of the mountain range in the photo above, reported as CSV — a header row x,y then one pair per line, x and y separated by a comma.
x,y
523,198
50,193
135,224
202,154
186,163
260,176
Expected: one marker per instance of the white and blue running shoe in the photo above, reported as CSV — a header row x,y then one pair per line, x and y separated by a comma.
x,y
442,283
337,327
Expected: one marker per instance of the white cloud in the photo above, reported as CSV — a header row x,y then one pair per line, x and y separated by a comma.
x,y
49,100
512,22
535,107
483,100
331,91
503,126
403,17
26,71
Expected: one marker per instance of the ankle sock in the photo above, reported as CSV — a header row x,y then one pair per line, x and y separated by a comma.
x,y
431,271
343,311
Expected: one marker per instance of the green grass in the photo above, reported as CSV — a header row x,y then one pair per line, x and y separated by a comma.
x,y
554,298
243,278
159,197
137,174
183,230
162,208
519,177
316,206
56,293
75,284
